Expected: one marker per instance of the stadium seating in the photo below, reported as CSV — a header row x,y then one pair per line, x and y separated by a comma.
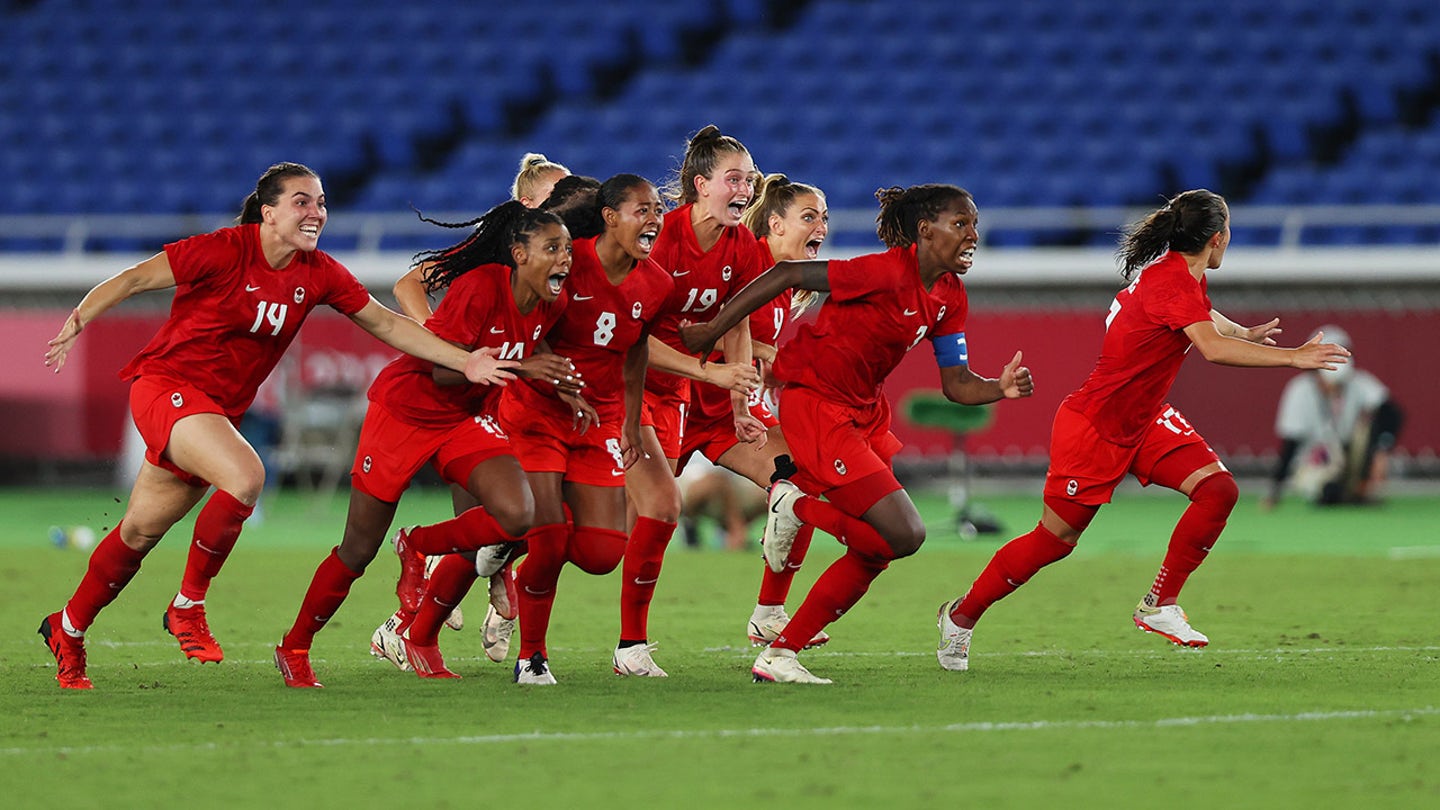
x,y
153,106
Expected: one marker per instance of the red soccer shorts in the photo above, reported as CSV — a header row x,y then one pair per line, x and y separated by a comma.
x,y
1086,468
391,452
667,415
836,445
156,404
546,442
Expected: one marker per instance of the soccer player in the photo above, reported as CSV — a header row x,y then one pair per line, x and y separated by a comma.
x,y
833,410
791,221
1118,422
536,179
710,255
242,293
505,282
616,293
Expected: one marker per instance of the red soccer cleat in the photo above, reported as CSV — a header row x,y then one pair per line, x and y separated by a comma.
x,y
426,661
294,666
189,627
411,586
69,653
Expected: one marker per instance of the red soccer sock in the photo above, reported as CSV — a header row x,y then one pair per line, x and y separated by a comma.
x,y
468,531
640,571
327,591
1012,566
449,583
112,565
836,591
774,588
1211,502
853,532
536,581
595,550
216,530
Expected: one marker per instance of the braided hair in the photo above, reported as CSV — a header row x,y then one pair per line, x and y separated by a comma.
x,y
901,210
1184,225
574,200
268,189
494,233
702,154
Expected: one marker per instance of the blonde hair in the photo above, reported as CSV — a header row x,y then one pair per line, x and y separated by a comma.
x,y
775,196
533,167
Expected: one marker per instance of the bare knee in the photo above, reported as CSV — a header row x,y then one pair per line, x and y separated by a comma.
x,y
244,484
515,517
907,539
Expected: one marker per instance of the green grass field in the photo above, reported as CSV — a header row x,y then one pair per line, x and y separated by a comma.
x,y
1321,687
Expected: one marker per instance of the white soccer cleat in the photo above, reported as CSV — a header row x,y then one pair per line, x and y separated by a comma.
x,y
456,619
769,621
781,666
490,559
385,643
503,596
635,660
1171,622
495,635
954,650
535,671
781,525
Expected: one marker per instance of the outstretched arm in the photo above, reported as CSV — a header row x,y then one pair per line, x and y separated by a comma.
x,y
1264,333
1235,351
152,274
806,275
404,334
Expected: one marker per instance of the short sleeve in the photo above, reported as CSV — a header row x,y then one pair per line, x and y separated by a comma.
x,y
347,295
851,279
1175,299
199,257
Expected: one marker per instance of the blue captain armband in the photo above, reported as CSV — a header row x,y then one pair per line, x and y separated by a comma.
x,y
950,350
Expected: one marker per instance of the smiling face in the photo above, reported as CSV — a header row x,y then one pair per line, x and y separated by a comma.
x,y
724,194
950,239
799,232
298,215
636,223
543,263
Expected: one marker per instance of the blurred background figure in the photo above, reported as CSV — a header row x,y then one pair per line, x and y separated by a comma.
x,y
1336,431
716,497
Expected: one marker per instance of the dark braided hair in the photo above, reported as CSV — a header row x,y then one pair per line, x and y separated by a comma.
x,y
1184,225
901,210
702,153
573,200
268,189
494,233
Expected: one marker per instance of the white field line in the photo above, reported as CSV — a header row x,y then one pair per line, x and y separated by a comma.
x,y
716,734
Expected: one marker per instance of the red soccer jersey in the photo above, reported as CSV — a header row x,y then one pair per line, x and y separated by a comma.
x,y
478,311
1144,345
703,281
234,315
878,310
601,322
767,322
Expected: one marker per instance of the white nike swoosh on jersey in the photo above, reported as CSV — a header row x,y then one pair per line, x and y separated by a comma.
x,y
581,297
679,273
617,473
248,288
496,330
910,312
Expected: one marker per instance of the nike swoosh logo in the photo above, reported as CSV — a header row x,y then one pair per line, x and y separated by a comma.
x,y
249,288
910,312
581,297
679,273
617,473
496,330
639,581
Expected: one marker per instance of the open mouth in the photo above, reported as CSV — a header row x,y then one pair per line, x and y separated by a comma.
x,y
967,258
647,239
555,282
812,248
737,208
310,230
